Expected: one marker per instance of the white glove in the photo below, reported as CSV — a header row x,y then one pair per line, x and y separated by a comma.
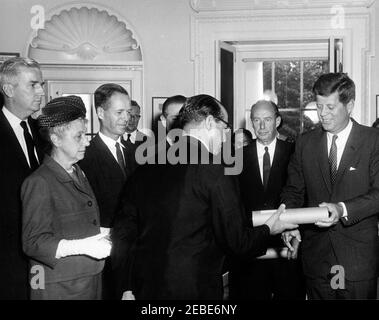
x,y
97,246
128,295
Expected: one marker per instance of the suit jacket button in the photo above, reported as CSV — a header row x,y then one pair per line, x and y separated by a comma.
x,y
94,222
89,203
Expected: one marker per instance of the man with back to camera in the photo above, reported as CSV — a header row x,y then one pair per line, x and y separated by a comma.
x,y
104,163
175,230
21,84
337,167
264,174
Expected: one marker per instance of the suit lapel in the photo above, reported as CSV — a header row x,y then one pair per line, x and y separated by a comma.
x,y
107,154
352,145
275,167
322,150
256,174
14,146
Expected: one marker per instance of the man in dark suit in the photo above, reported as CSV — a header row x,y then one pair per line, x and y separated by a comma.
x,y
104,161
264,174
337,166
22,88
132,138
178,221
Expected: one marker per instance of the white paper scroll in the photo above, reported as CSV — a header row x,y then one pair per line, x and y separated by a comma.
x,y
297,216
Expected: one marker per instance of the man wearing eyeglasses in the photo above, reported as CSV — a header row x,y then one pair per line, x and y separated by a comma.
x,y
179,220
132,137
264,174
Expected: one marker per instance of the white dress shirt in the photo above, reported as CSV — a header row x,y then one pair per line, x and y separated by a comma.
x,y
261,151
132,137
341,144
15,121
111,144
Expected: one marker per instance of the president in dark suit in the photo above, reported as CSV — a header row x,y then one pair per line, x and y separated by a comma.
x,y
337,166
104,162
178,221
22,88
264,174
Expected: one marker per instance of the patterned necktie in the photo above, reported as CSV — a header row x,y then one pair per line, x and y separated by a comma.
x,y
333,160
30,146
266,167
120,158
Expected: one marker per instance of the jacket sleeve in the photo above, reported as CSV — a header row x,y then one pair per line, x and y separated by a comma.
x,y
366,205
229,221
294,191
38,239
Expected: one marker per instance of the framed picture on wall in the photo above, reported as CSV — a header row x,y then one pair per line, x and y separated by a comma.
x,y
157,103
7,55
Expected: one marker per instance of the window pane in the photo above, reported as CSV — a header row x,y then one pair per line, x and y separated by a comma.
x,y
287,83
312,70
290,126
310,120
267,75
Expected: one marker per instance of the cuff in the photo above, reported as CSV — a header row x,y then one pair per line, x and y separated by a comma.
x,y
344,214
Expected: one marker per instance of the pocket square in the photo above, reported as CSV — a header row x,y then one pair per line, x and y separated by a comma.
x,y
352,169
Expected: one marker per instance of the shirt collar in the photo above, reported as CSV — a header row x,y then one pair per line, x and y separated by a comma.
x,y
133,136
13,120
110,143
197,138
271,146
342,135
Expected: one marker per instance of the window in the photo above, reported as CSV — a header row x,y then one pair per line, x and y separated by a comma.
x,y
292,81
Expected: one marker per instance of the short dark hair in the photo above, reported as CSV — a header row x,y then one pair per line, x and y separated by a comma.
x,y
197,108
134,103
330,83
105,91
179,99
376,123
273,105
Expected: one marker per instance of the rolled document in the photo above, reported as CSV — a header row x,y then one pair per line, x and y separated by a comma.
x,y
297,216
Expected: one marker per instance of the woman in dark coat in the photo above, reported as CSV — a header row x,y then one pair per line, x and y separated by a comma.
x,y
61,232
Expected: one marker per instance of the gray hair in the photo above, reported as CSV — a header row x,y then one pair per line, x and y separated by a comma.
x,y
10,69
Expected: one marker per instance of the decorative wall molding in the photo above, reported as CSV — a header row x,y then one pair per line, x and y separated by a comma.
x,y
84,35
209,28
241,5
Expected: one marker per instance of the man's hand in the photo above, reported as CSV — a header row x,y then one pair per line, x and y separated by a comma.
x,y
292,241
128,295
335,213
278,226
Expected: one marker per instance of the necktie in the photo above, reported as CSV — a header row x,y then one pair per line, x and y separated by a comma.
x,y
127,143
333,159
266,167
30,146
120,158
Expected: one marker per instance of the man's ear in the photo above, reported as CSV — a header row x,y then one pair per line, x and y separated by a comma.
x,y
209,122
163,120
350,106
278,120
100,112
8,90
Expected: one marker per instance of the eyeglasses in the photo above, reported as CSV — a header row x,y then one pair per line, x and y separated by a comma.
x,y
228,126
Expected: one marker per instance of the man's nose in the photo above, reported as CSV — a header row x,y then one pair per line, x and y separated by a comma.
x,y
262,125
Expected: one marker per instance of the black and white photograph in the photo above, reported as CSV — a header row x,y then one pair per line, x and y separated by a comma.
x,y
217,155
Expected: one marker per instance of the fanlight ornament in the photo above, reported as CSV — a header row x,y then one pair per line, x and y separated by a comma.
x,y
86,33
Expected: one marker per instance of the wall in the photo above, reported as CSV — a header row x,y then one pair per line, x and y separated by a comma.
x,y
163,28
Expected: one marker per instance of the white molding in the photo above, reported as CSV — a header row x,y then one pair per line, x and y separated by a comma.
x,y
207,29
242,5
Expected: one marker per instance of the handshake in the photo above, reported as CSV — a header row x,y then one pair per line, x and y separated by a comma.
x,y
98,246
